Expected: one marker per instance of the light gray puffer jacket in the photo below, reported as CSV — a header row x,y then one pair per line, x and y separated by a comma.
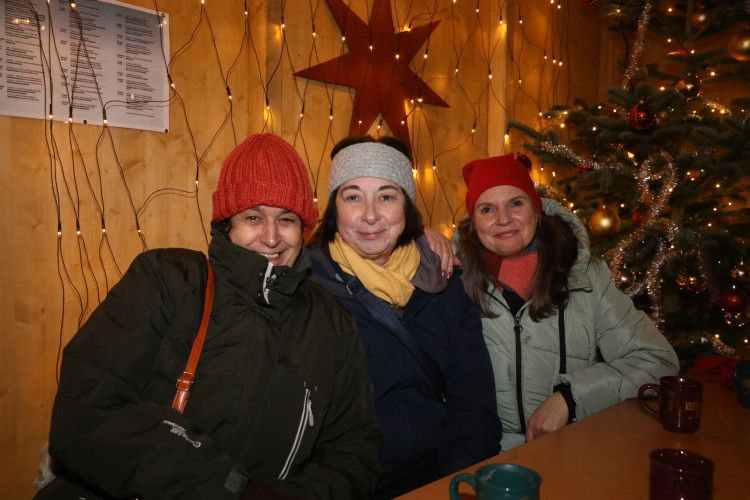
x,y
601,323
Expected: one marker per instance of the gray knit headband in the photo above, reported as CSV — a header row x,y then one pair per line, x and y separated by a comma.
x,y
371,159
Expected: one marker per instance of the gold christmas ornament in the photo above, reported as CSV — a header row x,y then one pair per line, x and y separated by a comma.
x,y
701,19
689,282
689,86
735,319
604,222
739,46
625,279
741,273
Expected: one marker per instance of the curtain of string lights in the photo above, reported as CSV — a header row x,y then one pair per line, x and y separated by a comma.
x,y
473,38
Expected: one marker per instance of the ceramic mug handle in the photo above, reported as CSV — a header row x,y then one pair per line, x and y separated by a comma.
x,y
458,478
654,387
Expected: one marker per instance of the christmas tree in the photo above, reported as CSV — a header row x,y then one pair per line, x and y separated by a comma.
x,y
661,171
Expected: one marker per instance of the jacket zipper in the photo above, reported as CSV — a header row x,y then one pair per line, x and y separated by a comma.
x,y
306,420
517,328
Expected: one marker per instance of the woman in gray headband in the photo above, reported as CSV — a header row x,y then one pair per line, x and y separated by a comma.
x,y
430,370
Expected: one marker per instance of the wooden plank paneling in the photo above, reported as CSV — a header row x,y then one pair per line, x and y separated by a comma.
x,y
118,173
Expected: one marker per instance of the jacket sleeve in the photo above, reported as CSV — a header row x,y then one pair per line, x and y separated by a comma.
x,y
103,431
345,459
472,428
634,352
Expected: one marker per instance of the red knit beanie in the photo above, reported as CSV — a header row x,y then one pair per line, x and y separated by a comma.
x,y
481,175
264,170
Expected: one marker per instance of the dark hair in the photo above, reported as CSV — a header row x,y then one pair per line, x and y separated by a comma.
x,y
223,226
328,227
557,250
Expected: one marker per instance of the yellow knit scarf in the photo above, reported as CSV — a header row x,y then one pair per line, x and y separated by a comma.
x,y
391,282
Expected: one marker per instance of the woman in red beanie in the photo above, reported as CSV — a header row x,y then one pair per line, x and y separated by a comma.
x,y
564,341
281,405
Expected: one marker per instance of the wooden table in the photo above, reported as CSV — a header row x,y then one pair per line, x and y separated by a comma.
x,y
605,456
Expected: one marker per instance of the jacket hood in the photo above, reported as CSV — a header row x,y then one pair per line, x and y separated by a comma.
x,y
577,277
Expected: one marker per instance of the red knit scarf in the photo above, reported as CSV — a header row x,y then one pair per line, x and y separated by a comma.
x,y
516,274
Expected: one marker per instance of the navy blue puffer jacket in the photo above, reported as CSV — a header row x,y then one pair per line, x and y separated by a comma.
x,y
415,420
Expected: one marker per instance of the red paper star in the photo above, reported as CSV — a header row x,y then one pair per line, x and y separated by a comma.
x,y
383,81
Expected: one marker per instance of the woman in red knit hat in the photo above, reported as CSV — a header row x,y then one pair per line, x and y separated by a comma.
x,y
281,405
563,340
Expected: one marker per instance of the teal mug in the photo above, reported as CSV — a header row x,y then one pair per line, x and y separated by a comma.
x,y
742,379
500,482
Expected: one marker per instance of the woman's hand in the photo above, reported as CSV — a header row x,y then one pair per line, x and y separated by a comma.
x,y
442,247
549,416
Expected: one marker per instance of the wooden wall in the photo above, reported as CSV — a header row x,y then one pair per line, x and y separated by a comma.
x,y
51,283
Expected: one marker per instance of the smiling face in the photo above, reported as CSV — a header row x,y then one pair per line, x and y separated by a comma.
x,y
505,220
275,233
370,216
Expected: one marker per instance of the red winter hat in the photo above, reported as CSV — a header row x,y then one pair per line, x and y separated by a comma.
x,y
481,175
264,170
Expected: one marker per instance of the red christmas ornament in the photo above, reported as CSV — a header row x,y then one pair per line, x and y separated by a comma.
x,y
586,165
589,2
641,116
638,218
523,160
380,74
734,300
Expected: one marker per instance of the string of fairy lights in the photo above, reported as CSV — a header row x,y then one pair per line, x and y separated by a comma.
x,y
482,34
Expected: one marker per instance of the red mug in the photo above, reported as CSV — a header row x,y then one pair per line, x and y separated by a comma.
x,y
680,401
680,475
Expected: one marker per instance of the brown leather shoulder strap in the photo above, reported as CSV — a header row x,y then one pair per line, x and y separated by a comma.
x,y
186,379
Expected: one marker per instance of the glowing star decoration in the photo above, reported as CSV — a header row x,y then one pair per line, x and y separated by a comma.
x,y
381,76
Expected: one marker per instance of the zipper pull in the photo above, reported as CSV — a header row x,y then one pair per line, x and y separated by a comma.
x,y
310,421
517,327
